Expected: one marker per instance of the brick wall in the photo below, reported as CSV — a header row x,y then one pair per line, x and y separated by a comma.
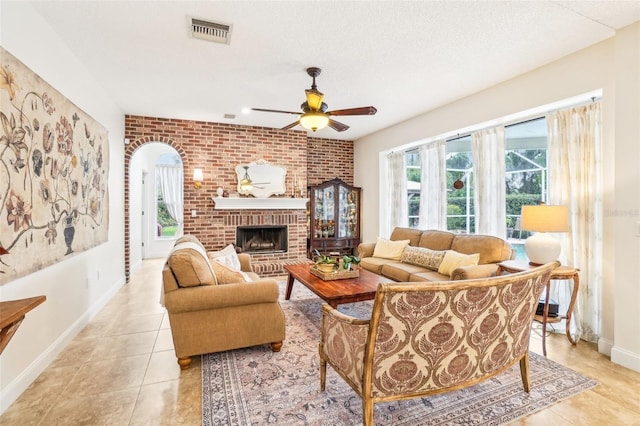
x,y
328,159
218,148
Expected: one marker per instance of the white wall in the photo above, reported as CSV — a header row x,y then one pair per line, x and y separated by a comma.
x,y
78,287
590,69
144,160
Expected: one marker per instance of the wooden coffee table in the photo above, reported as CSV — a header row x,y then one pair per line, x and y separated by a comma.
x,y
336,292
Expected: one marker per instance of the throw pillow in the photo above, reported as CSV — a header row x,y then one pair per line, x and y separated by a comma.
x,y
422,256
189,264
189,239
226,275
387,249
452,260
226,256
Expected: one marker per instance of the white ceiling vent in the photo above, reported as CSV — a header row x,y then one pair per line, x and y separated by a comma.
x,y
211,31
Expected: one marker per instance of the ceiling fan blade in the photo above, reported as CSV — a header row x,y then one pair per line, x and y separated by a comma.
x,y
336,125
368,110
290,126
275,110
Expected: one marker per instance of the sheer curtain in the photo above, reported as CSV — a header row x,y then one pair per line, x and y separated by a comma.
x,y
489,191
172,187
575,180
433,186
399,203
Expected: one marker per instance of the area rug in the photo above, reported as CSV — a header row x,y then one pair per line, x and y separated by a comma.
x,y
255,386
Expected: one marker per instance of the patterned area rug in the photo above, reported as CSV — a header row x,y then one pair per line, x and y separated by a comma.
x,y
255,386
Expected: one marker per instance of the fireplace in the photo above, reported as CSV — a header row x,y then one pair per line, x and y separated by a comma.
x,y
262,239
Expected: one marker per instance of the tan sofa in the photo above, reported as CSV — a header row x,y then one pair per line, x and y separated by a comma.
x,y
206,316
492,250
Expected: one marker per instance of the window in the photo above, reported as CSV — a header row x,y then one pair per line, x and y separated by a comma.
x,y
166,223
525,179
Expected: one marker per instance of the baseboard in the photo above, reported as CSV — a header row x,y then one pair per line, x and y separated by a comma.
x,y
14,389
605,346
625,358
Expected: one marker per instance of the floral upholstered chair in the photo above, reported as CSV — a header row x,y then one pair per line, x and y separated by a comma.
x,y
428,338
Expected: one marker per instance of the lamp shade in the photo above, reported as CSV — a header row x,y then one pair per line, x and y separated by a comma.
x,y
314,120
542,248
544,218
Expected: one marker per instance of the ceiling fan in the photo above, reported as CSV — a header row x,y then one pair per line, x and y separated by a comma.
x,y
314,112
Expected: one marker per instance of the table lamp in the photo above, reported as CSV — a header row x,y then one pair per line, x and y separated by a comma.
x,y
541,247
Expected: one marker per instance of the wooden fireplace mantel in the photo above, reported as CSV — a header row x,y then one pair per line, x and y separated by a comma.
x,y
12,313
250,203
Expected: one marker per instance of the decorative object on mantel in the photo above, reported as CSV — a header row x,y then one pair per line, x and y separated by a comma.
x,y
220,191
55,173
266,179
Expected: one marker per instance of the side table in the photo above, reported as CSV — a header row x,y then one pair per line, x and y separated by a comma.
x,y
560,273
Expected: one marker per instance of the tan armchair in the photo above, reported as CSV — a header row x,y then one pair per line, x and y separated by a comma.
x,y
429,338
208,318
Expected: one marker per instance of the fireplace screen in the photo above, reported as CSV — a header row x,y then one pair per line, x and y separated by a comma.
x,y
262,239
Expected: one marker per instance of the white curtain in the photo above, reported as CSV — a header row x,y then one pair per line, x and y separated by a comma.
x,y
433,186
489,182
399,204
172,187
575,180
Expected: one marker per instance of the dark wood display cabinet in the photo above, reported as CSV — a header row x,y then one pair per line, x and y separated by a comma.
x,y
334,218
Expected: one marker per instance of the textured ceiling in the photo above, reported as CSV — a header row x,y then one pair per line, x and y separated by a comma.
x,y
403,57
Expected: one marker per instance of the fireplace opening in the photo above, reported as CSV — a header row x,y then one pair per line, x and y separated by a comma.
x,y
262,239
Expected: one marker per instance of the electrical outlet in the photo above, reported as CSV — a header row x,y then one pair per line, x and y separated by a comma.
x,y
193,213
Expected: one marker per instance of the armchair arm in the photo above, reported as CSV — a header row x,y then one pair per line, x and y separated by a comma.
x,y
343,343
245,262
474,272
366,249
206,297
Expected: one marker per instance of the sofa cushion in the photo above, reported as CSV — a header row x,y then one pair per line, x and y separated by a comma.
x,y
453,259
429,276
424,257
436,240
227,275
491,249
387,249
373,264
411,234
399,271
226,256
189,264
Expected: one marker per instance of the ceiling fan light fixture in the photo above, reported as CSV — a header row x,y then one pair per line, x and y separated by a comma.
x,y
314,120
314,99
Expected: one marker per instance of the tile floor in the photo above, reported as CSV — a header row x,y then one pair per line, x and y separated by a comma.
x,y
121,370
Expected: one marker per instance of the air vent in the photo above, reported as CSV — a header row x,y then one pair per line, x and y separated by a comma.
x,y
211,31
230,116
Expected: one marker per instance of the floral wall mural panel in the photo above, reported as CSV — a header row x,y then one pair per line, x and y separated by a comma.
x,y
54,170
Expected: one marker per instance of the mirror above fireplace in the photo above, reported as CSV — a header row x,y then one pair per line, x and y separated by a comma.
x,y
261,179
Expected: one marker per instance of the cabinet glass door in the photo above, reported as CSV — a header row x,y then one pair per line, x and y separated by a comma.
x,y
324,213
348,217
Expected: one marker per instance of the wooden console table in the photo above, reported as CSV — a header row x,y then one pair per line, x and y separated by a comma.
x,y
560,273
12,313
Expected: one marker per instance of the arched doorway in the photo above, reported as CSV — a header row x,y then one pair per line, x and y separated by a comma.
x,y
142,156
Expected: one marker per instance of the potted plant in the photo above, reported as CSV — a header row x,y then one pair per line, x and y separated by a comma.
x,y
347,261
325,263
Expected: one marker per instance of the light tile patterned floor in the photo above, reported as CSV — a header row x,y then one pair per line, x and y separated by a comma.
x,y
121,370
